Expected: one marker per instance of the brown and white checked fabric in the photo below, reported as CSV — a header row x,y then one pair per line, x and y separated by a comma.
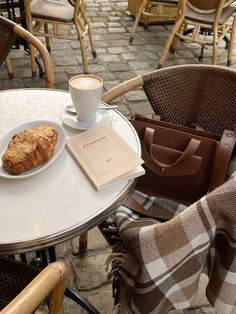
x,y
159,264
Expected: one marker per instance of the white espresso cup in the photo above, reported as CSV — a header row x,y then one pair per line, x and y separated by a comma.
x,y
86,91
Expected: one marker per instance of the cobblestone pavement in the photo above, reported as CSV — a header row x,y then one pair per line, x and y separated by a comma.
x,y
116,62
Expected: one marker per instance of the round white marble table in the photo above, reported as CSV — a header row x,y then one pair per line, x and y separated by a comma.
x,y
59,202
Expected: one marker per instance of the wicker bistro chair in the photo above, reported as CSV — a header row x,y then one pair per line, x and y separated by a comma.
x,y
23,287
45,12
204,16
202,95
8,32
154,8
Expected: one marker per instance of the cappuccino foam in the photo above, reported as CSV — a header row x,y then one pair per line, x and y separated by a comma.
x,y
85,82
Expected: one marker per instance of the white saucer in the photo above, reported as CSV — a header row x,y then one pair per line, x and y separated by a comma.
x,y
72,121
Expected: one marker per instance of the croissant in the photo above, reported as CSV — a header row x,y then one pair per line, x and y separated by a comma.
x,y
29,149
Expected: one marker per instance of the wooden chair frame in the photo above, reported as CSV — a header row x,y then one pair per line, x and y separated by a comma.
x,y
50,281
219,32
80,21
122,89
34,43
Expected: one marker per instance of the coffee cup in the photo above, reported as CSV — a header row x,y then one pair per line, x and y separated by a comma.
x,y
86,91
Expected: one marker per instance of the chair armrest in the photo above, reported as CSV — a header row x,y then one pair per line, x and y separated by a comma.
x,y
122,88
51,280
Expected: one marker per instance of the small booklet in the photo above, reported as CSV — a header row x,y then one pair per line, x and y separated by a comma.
x,y
105,157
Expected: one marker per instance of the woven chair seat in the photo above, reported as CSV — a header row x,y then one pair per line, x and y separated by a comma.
x,y
52,10
208,4
14,277
209,18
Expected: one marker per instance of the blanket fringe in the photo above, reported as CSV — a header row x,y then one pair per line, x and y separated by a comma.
x,y
115,263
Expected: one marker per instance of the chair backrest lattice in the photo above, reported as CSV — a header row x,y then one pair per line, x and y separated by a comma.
x,y
207,6
14,276
24,287
194,95
8,38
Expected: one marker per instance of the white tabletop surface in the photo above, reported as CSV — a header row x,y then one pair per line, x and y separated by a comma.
x,y
59,202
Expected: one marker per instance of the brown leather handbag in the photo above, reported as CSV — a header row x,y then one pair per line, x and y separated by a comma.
x,y
181,163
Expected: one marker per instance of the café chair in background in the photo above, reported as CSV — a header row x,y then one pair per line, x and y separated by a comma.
x,y
23,288
154,8
206,22
8,32
44,18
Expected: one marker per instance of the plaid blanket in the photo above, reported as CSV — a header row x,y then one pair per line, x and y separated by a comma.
x,y
157,265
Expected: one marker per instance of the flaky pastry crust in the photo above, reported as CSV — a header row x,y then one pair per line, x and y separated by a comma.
x,y
29,149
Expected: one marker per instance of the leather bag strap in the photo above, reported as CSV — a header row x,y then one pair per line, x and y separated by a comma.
x,y
222,159
189,151
131,203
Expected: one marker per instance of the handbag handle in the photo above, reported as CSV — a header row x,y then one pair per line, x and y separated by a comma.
x,y
189,151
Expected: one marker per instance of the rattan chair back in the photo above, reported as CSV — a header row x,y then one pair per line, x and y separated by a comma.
x,y
194,95
203,95
8,38
14,277
23,287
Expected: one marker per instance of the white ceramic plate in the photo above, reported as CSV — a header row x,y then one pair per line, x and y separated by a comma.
x,y
4,140
71,120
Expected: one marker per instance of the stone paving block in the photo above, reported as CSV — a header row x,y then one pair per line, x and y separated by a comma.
x,y
15,83
72,70
59,61
110,58
124,76
118,43
116,50
106,76
128,56
117,67
139,65
90,271
108,85
114,30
